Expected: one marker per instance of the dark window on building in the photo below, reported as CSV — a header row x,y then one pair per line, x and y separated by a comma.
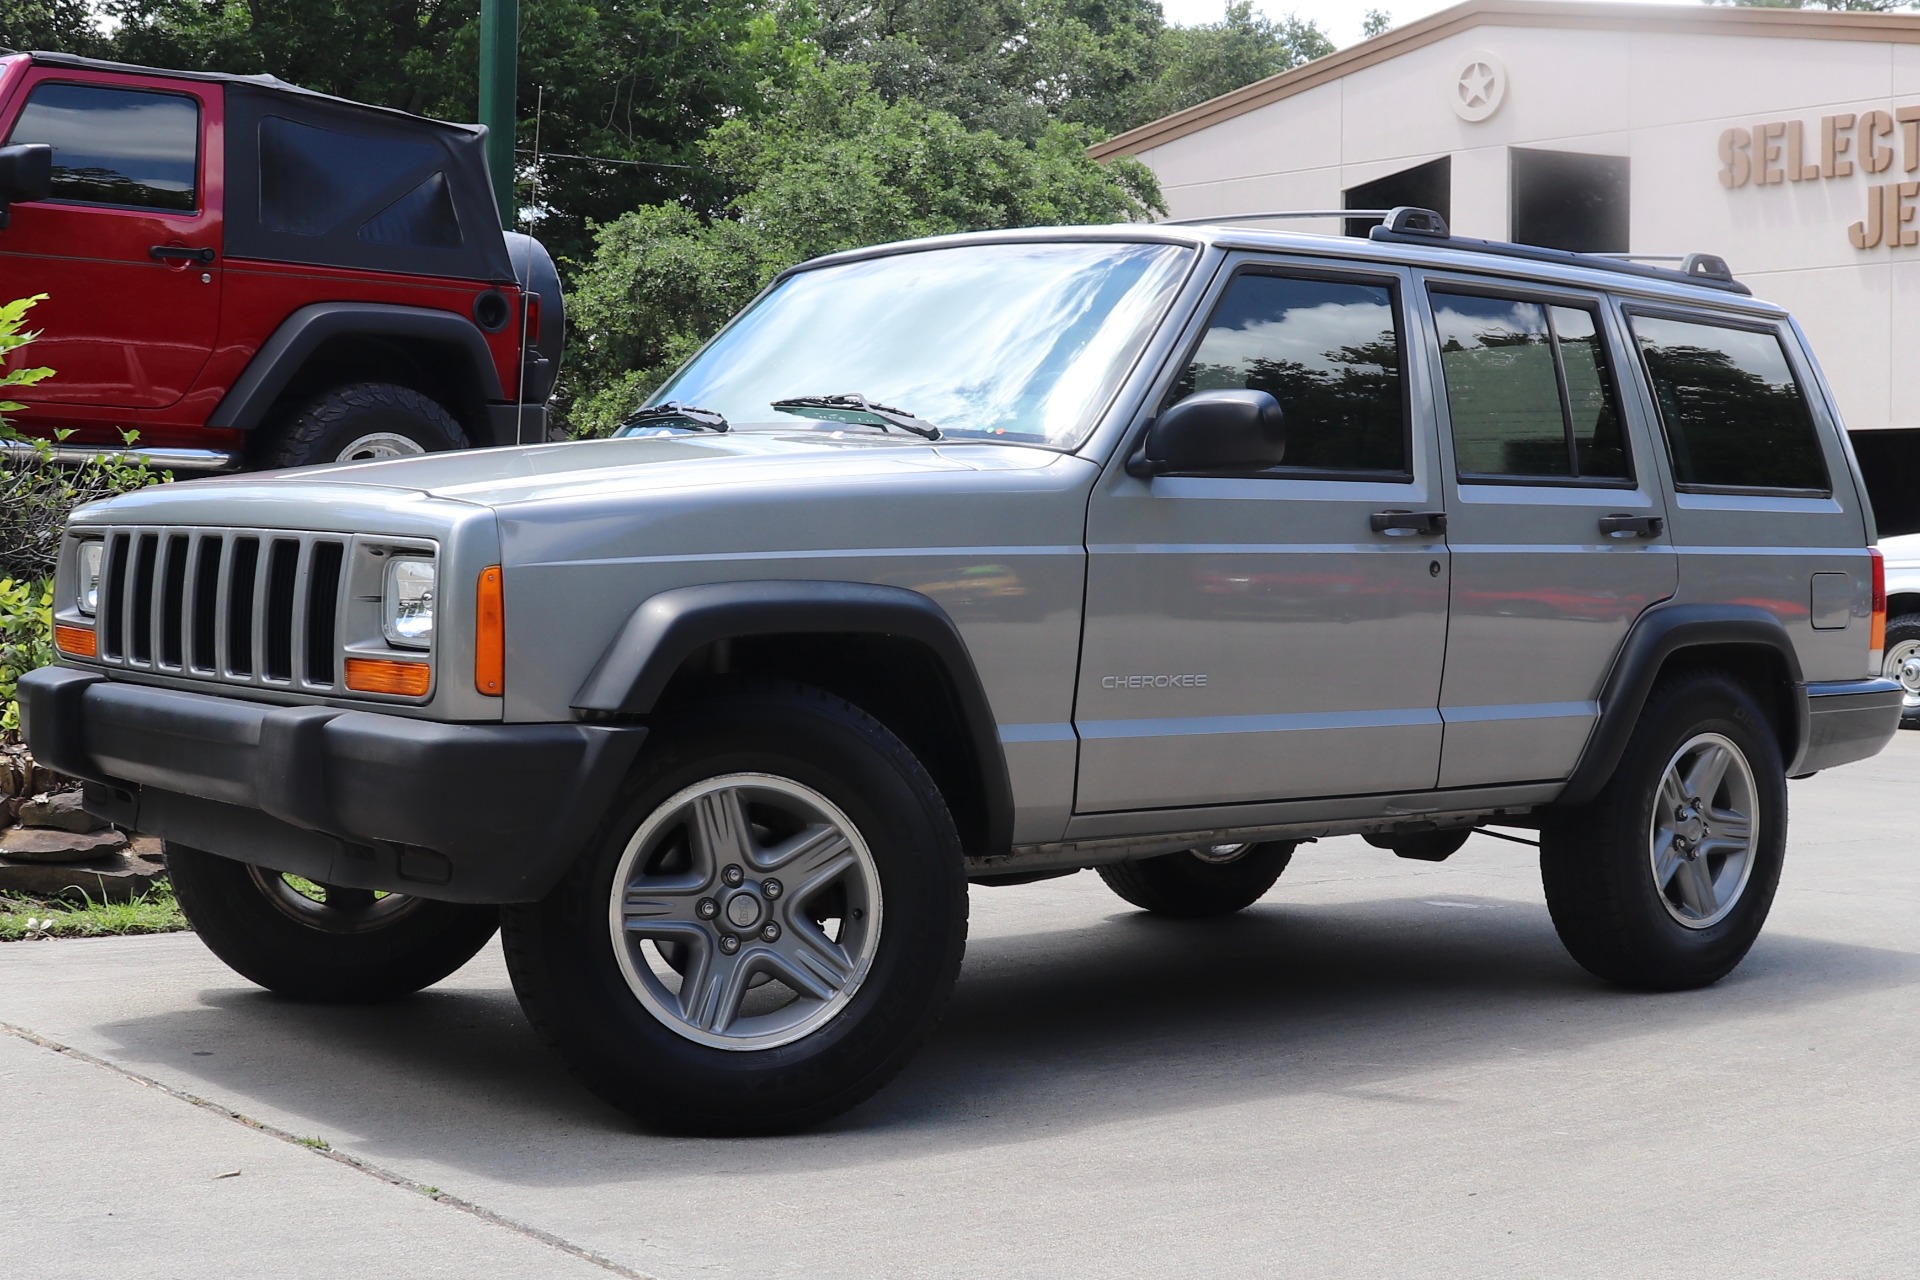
x,y
1425,186
1566,200
1734,415
312,180
1527,390
1328,351
117,146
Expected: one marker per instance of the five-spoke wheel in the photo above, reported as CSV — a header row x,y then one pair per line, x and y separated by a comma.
x,y
1702,834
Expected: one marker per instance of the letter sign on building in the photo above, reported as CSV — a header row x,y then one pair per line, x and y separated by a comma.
x,y
1777,151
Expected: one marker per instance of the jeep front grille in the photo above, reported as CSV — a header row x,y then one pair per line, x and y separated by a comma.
x,y
249,606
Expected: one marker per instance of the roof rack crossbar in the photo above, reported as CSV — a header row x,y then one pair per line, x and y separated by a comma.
x,y
1402,218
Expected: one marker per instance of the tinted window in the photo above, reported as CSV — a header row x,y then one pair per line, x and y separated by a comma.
x,y
116,146
1733,413
1328,351
314,181
1527,390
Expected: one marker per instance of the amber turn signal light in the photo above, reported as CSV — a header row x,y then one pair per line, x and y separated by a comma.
x,y
78,641
489,635
384,675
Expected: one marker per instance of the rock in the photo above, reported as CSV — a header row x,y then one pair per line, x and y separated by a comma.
x,y
29,844
118,877
61,811
21,775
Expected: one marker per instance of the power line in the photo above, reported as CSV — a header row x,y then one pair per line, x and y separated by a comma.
x,y
643,164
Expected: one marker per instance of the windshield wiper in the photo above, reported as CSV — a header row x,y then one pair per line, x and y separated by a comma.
x,y
857,410
675,412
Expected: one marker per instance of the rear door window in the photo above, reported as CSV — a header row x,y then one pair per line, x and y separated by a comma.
x,y
124,147
1529,391
1735,415
1329,351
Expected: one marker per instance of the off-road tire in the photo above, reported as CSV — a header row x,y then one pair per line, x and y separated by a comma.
x,y
1901,630
323,429
224,902
1595,860
561,955
1187,887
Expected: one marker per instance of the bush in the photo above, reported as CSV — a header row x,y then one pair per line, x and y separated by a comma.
x,y
36,496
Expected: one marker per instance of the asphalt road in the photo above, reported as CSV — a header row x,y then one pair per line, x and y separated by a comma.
x,y
1385,1068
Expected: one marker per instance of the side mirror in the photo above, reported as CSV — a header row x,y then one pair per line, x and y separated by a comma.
x,y
1213,431
26,173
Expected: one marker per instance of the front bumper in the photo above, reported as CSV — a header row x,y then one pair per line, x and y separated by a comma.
x,y
1847,720
457,812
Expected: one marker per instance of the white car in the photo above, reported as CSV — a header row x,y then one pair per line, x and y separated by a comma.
x,y
1902,655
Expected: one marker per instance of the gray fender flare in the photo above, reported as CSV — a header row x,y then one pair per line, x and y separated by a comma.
x,y
660,634
1661,632
301,334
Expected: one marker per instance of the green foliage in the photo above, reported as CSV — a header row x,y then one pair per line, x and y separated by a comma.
x,y
832,165
66,25
1378,22
26,640
154,911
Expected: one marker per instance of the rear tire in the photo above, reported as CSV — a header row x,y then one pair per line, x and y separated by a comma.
x,y
772,839
1197,883
364,422
349,948
1663,880
1902,663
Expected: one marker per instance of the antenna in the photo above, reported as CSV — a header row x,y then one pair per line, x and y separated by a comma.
x,y
520,396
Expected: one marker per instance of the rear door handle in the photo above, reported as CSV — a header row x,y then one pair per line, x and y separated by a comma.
x,y
1400,524
179,253
1632,526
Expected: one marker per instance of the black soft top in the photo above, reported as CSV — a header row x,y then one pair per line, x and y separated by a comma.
x,y
317,179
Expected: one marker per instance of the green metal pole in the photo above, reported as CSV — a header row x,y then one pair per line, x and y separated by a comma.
x,y
499,48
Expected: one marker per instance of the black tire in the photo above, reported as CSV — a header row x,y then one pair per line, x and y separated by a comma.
x,y
1903,632
650,1064
1189,887
1596,861
347,950
328,427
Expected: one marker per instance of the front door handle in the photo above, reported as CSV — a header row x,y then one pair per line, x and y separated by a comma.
x,y
1401,524
179,253
1632,526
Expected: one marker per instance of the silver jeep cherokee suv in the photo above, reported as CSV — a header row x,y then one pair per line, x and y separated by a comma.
x,y
985,559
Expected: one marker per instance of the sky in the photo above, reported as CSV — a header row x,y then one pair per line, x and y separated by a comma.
x,y
1340,19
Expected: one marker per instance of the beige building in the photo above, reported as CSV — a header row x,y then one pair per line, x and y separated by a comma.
x,y
1787,142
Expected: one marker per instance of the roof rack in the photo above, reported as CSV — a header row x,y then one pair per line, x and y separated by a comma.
x,y
1408,224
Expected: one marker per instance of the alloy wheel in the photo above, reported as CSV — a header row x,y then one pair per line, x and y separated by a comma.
x,y
1704,830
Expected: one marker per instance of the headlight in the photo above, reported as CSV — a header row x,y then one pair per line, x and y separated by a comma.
x,y
87,587
408,604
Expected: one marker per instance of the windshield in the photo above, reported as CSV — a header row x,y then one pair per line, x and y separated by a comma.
x,y
1022,342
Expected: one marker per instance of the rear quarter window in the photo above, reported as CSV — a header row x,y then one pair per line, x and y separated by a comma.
x,y
1735,415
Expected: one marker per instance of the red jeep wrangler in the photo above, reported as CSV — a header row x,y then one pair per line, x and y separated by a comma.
x,y
251,274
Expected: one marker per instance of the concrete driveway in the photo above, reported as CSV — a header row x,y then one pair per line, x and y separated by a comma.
x,y
1385,1068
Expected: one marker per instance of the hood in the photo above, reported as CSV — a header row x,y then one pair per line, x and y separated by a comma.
x,y
595,468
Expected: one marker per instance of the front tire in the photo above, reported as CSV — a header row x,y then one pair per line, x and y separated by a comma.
x,y
1664,880
364,422
321,942
765,928
1216,880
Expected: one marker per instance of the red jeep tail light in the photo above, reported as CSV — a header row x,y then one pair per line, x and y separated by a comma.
x,y
1877,629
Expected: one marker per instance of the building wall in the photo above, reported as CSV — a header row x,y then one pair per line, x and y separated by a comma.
x,y
1662,99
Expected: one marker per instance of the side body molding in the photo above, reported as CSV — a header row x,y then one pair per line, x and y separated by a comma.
x,y
1661,632
302,333
666,629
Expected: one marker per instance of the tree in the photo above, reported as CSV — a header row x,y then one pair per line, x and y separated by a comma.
x,y
830,165
65,25
1377,22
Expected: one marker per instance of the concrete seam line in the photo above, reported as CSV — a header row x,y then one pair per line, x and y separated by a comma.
x,y
339,1157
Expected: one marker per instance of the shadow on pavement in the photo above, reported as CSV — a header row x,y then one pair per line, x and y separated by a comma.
x,y
1047,1032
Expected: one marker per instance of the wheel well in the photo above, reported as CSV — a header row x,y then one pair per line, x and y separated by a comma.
x,y
1761,670
898,681
440,371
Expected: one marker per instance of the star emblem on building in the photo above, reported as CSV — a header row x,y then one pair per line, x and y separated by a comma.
x,y
1476,85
